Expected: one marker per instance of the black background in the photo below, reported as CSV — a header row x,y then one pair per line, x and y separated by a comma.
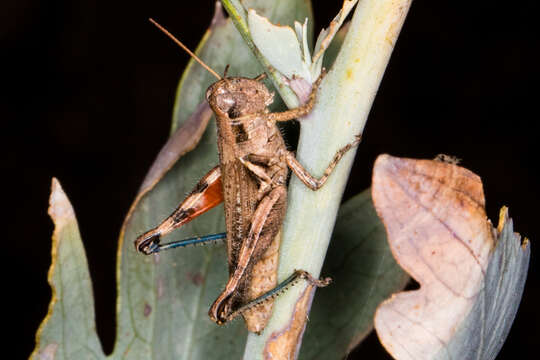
x,y
87,94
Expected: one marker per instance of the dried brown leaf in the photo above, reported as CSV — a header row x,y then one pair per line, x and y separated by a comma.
x,y
438,232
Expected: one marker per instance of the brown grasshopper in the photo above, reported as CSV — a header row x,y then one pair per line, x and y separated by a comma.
x,y
251,181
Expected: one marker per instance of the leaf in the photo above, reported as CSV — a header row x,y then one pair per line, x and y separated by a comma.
x,y
69,330
496,308
219,47
277,11
364,274
333,50
280,45
183,140
287,50
326,35
439,233
164,299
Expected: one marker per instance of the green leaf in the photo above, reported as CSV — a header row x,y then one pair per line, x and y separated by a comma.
x,y
280,45
220,46
333,50
277,11
69,330
326,35
364,273
162,299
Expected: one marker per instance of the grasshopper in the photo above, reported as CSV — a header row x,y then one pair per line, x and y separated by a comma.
x,y
251,181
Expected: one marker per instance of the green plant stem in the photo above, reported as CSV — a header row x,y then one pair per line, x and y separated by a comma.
x,y
238,14
343,104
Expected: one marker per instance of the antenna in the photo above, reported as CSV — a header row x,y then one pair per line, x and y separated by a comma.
x,y
185,48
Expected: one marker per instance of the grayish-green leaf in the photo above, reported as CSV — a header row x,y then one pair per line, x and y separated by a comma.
x,y
364,273
333,50
325,37
220,46
280,45
277,11
482,334
287,50
164,299
69,329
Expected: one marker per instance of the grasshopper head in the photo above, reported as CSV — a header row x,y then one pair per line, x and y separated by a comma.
x,y
238,96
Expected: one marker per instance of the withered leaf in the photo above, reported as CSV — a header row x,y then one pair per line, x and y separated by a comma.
x,y
439,233
68,331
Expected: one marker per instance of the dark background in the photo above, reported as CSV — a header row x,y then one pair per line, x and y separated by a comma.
x,y
87,94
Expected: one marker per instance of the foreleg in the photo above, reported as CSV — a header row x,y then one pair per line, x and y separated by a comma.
x,y
301,110
295,113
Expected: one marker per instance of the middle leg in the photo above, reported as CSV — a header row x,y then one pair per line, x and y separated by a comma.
x,y
309,180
